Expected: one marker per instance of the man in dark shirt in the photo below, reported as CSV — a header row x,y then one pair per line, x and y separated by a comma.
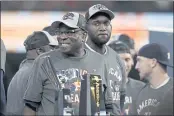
x,y
131,44
132,86
99,31
36,43
152,62
63,70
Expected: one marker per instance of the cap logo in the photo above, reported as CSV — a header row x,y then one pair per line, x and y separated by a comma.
x,y
99,7
68,16
168,55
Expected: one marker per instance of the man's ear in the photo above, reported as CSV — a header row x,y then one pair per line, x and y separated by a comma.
x,y
86,26
153,62
84,36
39,51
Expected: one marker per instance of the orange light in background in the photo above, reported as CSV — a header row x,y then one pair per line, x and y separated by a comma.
x,y
16,26
132,25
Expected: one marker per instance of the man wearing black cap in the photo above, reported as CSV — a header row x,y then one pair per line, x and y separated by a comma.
x,y
131,44
54,85
2,95
132,86
152,62
35,44
51,31
99,31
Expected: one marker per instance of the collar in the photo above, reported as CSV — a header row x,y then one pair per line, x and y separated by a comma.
x,y
162,84
94,50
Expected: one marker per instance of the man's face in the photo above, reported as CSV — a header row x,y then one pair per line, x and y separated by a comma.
x,y
127,58
99,29
69,39
144,67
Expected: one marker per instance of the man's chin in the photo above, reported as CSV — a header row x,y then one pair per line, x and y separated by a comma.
x,y
102,42
104,39
143,78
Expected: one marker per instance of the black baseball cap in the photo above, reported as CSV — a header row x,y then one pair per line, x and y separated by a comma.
x,y
127,40
157,51
96,9
71,19
38,39
119,47
50,30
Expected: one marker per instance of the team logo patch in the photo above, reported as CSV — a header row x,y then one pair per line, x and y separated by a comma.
x,y
68,16
75,86
99,7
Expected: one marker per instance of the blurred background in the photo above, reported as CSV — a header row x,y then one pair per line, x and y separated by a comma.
x,y
143,21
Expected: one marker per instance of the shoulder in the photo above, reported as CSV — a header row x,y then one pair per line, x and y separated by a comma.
x,y
91,53
111,51
113,54
51,54
26,63
23,70
21,75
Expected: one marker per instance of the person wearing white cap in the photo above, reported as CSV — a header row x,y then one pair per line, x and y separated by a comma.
x,y
51,31
37,43
56,85
99,30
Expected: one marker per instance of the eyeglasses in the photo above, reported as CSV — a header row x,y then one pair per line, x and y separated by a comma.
x,y
69,32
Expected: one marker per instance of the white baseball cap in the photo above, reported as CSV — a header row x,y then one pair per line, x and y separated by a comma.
x,y
96,9
71,19
52,41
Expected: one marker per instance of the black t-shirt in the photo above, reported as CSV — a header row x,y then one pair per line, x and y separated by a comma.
x,y
149,98
133,87
17,88
166,106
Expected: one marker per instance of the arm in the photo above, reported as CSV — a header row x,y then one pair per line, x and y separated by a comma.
x,y
112,108
33,94
132,110
123,85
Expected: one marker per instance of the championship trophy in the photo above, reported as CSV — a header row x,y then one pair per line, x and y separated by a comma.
x,y
96,90
91,96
